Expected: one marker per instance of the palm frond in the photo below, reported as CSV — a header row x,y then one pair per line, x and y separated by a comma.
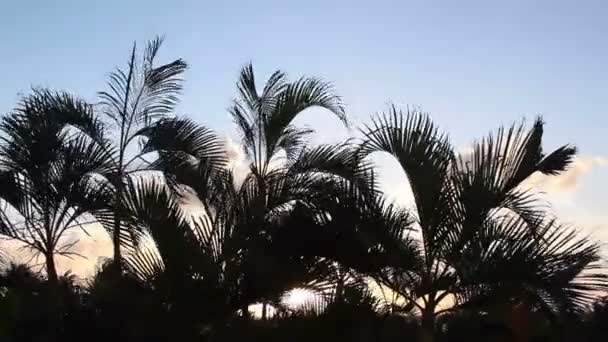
x,y
52,146
274,86
425,156
246,128
329,163
296,97
487,181
554,268
293,141
142,92
154,211
505,159
145,264
265,119
60,110
312,307
557,161
246,86
181,140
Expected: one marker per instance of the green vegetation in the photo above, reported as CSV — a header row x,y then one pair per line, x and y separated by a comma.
x,y
205,253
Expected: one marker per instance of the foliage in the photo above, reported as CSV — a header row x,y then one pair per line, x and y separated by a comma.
x,y
139,97
48,156
486,241
198,246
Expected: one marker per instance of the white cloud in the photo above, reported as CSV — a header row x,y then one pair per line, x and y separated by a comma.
x,y
91,248
237,160
569,181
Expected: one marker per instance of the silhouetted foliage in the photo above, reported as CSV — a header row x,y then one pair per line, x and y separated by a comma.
x,y
207,249
48,155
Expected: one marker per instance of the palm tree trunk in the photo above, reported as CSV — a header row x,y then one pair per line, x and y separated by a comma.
x,y
339,297
518,321
52,307
264,310
245,309
51,270
117,226
116,241
427,326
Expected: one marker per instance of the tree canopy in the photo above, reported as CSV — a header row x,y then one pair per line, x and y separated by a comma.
x,y
201,253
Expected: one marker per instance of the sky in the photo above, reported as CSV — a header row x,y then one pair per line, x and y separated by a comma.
x,y
473,65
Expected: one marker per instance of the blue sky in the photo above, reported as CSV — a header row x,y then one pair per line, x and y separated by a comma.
x,y
472,64
465,62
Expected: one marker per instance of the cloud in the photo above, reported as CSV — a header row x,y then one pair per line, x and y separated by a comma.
x,y
234,151
569,181
584,211
399,192
393,180
91,248
237,160
597,230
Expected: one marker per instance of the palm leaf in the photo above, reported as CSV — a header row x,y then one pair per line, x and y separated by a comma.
x,y
294,99
181,140
425,155
143,91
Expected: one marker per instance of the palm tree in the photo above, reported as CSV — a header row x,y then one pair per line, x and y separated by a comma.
x,y
138,96
248,223
215,252
48,154
217,248
271,142
265,119
478,229
203,267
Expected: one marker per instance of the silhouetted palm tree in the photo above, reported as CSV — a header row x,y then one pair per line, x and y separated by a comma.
x,y
479,230
195,264
265,118
248,225
210,264
138,96
197,244
281,168
48,154
240,263
265,121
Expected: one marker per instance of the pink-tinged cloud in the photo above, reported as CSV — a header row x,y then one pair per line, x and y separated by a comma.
x,y
92,248
569,181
